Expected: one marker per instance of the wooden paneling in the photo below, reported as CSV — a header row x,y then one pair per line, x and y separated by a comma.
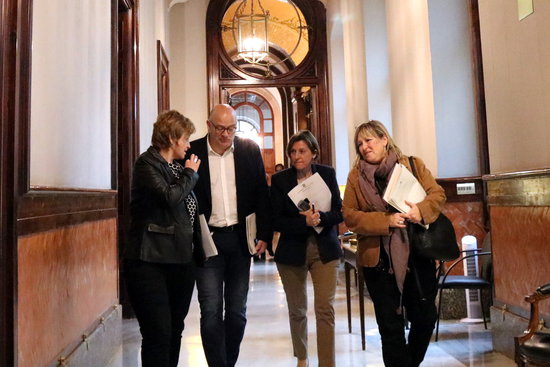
x,y
8,25
521,249
45,210
520,226
15,46
67,278
449,185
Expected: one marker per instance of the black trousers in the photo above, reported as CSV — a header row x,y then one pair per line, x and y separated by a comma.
x,y
419,307
160,295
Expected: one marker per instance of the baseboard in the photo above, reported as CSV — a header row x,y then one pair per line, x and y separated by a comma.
x,y
100,346
504,327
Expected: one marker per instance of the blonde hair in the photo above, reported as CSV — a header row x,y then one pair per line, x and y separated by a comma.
x,y
377,129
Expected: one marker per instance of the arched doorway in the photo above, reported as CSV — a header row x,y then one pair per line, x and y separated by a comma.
x,y
255,121
305,76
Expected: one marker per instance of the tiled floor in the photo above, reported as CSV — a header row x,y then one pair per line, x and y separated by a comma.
x,y
267,341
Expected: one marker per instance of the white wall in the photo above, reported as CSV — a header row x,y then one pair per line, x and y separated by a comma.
x,y
341,128
153,24
70,134
378,69
188,78
454,104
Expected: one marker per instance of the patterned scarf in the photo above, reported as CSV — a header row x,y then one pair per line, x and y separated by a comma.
x,y
190,201
396,244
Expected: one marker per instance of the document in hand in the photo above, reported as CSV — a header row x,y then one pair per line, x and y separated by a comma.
x,y
206,238
316,191
251,233
403,186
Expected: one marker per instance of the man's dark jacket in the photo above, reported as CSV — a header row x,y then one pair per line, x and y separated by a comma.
x,y
252,191
287,219
160,227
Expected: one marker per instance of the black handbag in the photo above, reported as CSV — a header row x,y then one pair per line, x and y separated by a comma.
x,y
438,242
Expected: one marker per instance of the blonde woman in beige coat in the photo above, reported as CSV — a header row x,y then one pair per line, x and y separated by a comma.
x,y
395,277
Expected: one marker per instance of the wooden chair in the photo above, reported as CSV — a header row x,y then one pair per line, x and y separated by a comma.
x,y
533,347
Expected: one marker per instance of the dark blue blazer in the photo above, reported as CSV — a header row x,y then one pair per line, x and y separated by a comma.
x,y
286,219
252,191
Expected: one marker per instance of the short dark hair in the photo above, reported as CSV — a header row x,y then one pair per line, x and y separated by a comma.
x,y
307,137
170,125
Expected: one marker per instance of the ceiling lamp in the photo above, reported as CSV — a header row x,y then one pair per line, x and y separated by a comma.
x,y
250,31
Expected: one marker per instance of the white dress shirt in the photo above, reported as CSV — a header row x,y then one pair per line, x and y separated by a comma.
x,y
222,187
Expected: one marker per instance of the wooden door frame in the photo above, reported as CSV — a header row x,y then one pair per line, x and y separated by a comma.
x,y
8,267
163,79
313,71
15,53
125,121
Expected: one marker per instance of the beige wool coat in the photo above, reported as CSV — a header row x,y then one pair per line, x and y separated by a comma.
x,y
370,225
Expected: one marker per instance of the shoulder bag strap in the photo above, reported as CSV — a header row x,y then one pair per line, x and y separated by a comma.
x,y
413,166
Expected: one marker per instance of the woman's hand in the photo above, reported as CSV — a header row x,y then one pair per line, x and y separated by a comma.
x,y
193,162
413,215
312,217
397,220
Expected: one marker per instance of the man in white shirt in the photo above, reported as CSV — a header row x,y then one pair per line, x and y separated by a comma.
x,y
231,186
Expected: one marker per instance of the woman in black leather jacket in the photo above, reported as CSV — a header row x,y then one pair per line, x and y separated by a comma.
x,y
164,239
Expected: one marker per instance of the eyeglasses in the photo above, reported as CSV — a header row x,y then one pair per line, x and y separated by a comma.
x,y
220,129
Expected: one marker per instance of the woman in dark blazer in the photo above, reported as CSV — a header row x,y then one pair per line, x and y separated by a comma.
x,y
164,241
301,249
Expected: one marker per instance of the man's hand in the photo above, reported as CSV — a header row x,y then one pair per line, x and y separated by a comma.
x,y
260,247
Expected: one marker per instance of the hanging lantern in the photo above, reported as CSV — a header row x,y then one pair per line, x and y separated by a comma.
x,y
250,25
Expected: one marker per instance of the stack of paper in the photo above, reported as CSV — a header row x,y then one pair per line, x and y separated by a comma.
x,y
315,191
207,241
209,246
403,186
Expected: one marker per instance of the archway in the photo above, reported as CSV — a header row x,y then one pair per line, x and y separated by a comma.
x,y
291,80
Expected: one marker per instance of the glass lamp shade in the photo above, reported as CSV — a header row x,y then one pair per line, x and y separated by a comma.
x,y
252,37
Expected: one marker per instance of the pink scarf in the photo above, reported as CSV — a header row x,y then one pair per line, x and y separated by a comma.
x,y
396,244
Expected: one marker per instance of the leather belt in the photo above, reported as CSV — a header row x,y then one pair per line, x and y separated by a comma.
x,y
224,229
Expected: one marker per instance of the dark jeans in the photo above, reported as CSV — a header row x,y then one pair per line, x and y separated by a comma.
x,y
160,295
223,278
419,308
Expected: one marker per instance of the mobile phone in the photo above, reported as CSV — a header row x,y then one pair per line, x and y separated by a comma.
x,y
303,205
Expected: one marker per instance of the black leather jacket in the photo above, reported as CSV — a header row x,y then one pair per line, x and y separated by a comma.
x,y
160,227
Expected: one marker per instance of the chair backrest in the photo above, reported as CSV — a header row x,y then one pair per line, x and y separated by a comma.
x,y
465,254
486,262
